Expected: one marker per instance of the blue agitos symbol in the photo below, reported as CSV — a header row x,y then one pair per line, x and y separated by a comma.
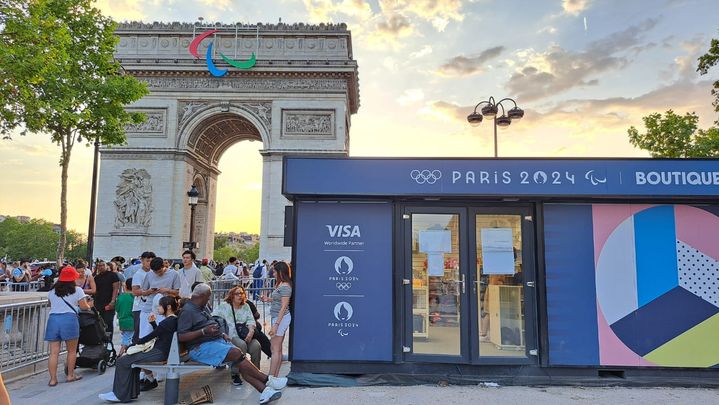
x,y
240,64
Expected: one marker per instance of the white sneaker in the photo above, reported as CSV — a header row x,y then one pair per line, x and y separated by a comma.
x,y
277,383
108,397
269,395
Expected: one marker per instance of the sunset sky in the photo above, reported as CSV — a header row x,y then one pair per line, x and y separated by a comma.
x,y
583,70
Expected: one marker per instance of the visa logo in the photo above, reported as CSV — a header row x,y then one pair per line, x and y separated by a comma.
x,y
344,231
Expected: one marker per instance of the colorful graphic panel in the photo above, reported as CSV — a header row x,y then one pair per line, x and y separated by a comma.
x,y
656,284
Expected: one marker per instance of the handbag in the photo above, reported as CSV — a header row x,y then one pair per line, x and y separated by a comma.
x,y
141,348
242,329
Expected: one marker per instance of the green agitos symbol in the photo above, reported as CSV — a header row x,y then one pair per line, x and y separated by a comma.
x,y
240,64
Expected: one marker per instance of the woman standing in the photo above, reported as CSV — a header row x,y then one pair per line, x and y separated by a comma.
x,y
126,385
235,311
85,279
62,323
280,313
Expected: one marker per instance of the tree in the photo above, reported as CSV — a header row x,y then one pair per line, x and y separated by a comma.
x,y
221,241
675,136
58,76
708,60
36,239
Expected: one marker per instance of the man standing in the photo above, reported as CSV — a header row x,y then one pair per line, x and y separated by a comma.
x,y
189,274
160,280
140,296
231,268
136,264
208,345
107,286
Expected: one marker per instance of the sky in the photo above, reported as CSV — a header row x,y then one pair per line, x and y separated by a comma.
x,y
584,71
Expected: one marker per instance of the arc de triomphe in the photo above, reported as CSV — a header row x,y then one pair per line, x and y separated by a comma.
x,y
296,99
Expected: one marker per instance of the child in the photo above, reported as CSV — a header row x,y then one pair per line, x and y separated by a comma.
x,y
123,306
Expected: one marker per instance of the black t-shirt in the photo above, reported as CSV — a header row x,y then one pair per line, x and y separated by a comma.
x,y
103,284
163,332
194,318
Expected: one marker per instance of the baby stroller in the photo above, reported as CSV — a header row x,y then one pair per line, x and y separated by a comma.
x,y
97,350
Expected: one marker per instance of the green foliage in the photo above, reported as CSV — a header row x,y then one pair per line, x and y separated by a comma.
x,y
58,76
220,241
706,61
36,239
246,254
675,136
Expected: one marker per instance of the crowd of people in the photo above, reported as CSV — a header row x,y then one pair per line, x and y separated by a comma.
x,y
152,299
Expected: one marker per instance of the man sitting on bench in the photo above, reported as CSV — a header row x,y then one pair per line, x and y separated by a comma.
x,y
207,344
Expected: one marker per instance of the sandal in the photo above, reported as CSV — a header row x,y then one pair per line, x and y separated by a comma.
x,y
51,384
77,377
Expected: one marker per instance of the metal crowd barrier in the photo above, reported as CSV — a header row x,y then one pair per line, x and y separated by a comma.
x,y
22,335
255,289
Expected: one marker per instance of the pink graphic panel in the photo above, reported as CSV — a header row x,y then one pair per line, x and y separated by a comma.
x,y
612,352
606,218
692,224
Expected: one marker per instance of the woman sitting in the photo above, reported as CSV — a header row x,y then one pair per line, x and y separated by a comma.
x,y
241,324
126,386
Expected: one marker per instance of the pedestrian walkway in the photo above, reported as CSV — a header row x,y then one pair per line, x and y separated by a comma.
x,y
34,390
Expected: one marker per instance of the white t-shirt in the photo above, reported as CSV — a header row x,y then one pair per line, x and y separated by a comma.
x,y
230,269
137,280
188,277
57,306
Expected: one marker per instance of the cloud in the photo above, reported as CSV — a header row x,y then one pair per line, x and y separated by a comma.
x,y
426,50
396,25
325,10
466,65
588,126
557,70
122,9
574,7
438,12
410,96
548,29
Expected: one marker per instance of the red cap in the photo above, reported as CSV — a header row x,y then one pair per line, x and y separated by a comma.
x,y
68,273
205,261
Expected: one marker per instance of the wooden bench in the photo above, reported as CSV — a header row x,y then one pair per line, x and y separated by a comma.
x,y
175,366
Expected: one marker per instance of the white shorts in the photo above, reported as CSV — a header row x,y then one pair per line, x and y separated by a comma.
x,y
282,328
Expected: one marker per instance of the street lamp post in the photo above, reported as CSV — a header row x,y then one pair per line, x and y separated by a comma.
x,y
490,111
193,196
93,203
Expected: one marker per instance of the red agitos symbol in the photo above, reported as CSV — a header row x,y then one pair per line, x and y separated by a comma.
x,y
240,64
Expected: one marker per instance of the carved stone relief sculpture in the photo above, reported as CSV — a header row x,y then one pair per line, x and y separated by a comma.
x,y
308,123
133,200
154,124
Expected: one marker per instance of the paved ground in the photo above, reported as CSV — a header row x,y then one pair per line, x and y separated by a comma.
x,y
35,391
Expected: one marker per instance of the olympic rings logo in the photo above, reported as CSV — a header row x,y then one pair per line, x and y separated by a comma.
x,y
240,64
343,286
425,176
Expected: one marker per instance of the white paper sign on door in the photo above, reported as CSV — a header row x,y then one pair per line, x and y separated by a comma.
x,y
497,251
435,243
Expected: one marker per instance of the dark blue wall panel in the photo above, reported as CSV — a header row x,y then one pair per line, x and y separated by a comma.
x,y
571,290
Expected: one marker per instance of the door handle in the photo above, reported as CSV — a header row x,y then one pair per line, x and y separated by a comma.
x,y
463,284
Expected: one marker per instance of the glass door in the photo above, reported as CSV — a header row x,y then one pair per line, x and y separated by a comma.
x,y
436,281
502,285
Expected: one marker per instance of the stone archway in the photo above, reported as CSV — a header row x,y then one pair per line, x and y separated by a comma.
x,y
209,132
297,99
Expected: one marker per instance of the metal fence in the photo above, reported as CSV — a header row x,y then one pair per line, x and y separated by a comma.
x,y
22,334
255,288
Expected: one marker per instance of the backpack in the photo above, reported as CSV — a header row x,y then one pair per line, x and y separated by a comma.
x,y
258,271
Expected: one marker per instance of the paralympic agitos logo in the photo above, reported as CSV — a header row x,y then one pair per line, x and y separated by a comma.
x,y
240,64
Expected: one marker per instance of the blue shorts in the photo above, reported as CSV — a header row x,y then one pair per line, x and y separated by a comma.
x,y
62,327
212,353
126,337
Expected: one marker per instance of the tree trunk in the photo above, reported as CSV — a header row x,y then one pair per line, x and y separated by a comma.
x,y
65,164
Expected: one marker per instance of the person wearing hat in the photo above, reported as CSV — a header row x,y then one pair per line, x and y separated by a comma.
x,y
207,273
66,300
